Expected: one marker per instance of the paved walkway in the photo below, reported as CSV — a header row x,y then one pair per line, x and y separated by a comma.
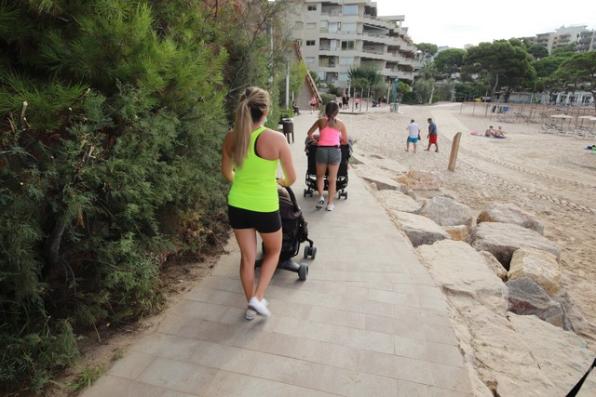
x,y
367,322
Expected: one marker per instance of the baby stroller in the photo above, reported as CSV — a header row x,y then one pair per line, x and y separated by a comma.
x,y
342,173
295,231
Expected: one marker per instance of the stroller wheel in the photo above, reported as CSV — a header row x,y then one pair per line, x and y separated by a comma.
x,y
305,192
313,252
302,272
344,195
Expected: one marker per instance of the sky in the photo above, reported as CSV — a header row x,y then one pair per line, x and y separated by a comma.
x,y
459,22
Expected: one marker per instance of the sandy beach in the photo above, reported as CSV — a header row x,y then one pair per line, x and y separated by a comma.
x,y
551,176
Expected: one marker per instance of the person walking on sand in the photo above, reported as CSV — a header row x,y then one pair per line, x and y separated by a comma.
x,y
250,157
432,135
314,104
413,135
332,134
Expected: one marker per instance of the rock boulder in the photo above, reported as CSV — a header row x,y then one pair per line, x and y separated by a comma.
x,y
494,265
460,270
526,297
540,266
459,232
509,213
447,212
503,239
397,201
419,229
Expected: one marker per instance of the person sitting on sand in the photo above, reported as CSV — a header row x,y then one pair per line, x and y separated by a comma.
x,y
499,133
490,132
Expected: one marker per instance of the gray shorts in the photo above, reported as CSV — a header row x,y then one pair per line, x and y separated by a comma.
x,y
328,155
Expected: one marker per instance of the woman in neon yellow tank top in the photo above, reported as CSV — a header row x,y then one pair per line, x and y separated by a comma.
x,y
250,158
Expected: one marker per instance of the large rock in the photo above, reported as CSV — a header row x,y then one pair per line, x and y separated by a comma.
x,y
574,319
510,355
397,201
381,179
540,266
447,212
419,229
461,270
494,265
458,233
526,297
509,213
503,239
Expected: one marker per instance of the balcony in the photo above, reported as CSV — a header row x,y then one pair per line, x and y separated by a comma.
x,y
372,50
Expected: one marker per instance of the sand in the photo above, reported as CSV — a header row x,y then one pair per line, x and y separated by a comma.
x,y
551,176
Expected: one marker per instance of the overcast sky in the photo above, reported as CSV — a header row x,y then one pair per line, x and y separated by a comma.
x,y
459,22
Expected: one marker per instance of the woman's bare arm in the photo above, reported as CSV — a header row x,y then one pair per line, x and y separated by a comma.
x,y
344,134
227,165
312,129
287,165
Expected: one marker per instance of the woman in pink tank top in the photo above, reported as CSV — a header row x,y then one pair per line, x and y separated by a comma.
x,y
332,134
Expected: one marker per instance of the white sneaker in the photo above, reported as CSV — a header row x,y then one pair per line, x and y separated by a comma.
x,y
250,314
260,306
321,203
330,207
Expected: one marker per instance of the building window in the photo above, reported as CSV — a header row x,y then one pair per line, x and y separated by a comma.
x,y
348,27
311,26
312,8
310,60
346,61
350,10
310,43
347,45
344,77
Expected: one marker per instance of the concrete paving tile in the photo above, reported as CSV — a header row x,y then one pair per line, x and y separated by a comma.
x,y
131,365
396,367
228,384
166,346
220,297
109,385
178,376
428,351
412,389
451,378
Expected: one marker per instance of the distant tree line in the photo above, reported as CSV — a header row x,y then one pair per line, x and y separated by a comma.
x,y
500,67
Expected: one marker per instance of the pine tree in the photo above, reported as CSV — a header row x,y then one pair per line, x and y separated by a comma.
x,y
111,118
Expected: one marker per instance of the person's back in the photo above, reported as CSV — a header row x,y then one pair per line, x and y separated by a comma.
x,y
329,135
413,130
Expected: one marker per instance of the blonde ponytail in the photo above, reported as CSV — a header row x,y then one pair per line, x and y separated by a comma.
x,y
253,104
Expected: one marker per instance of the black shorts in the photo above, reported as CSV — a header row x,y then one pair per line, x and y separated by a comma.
x,y
263,222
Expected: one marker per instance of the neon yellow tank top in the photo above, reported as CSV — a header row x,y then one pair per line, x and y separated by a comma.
x,y
254,187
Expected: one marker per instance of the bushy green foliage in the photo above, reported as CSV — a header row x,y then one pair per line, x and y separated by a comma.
x,y
111,165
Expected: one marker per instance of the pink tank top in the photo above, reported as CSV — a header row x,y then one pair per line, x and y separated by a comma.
x,y
329,136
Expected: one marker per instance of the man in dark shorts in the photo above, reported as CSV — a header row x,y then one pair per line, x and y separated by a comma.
x,y
432,135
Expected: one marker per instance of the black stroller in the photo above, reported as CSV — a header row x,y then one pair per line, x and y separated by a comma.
x,y
295,231
342,173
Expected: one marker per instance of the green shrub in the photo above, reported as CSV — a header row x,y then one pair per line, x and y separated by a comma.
x,y
114,167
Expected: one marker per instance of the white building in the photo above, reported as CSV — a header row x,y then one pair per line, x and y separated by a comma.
x,y
342,34
565,35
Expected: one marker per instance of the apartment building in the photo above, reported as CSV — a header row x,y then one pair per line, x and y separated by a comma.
x,y
342,34
586,41
563,36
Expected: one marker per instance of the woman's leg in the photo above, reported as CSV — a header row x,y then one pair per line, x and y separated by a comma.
x,y
321,169
332,180
247,241
272,246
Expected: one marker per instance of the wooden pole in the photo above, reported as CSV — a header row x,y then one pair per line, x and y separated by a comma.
x,y
454,150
